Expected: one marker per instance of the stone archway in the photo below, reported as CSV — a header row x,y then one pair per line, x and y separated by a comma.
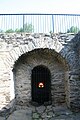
x,y
40,60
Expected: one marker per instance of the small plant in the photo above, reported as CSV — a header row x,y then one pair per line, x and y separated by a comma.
x,y
9,31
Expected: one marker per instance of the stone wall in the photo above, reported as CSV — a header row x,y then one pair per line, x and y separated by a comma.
x,y
66,48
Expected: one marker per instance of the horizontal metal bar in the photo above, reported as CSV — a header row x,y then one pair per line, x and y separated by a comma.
x,y
40,14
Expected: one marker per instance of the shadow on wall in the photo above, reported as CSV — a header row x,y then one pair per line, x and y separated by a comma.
x,y
72,56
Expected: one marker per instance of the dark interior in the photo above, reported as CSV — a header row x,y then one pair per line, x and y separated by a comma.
x,y
41,84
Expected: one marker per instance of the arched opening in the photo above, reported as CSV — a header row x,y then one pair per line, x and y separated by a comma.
x,y
40,77
41,85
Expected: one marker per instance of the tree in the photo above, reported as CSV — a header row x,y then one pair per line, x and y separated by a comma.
x,y
73,30
9,31
26,28
19,30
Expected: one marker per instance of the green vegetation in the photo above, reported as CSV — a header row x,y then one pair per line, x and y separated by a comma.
x,y
29,28
19,30
9,31
73,30
26,28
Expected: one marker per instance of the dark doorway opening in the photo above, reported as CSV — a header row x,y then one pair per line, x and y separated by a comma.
x,y
41,85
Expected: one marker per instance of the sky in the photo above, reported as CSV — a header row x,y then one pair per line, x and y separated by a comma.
x,y
40,6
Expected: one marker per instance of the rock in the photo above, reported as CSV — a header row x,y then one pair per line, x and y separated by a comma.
x,y
20,115
35,116
36,35
2,118
40,109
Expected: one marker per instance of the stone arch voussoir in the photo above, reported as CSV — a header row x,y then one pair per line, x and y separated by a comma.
x,y
16,52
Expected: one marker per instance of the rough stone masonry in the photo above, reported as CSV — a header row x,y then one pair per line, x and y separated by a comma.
x,y
20,53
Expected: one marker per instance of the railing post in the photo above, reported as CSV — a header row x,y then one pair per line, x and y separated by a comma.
x,y
53,23
23,24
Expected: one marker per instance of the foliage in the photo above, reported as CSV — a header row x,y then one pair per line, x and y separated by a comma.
x,y
26,28
73,30
9,31
19,30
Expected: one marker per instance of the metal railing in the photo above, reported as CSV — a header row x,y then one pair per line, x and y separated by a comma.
x,y
39,23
